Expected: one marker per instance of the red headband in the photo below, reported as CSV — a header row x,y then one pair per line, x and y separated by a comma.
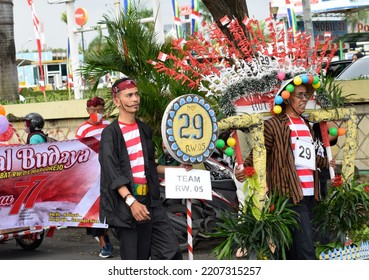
x,y
96,101
127,84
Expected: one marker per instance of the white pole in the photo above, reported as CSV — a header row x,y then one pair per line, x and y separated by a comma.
x,y
117,8
308,23
73,45
159,28
189,229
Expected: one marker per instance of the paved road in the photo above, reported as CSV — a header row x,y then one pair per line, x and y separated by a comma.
x,y
74,244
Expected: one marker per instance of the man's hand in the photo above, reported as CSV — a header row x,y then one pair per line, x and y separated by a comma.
x,y
239,173
188,167
140,212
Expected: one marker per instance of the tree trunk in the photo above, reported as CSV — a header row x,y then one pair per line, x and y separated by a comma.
x,y
231,8
8,66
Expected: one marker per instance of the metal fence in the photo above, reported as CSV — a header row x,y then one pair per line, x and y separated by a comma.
x,y
348,253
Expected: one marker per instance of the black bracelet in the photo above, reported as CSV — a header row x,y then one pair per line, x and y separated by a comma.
x,y
124,198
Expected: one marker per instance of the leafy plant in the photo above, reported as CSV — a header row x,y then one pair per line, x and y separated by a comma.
x,y
329,95
344,212
267,234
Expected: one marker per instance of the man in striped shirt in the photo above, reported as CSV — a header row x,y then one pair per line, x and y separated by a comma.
x,y
95,123
129,190
91,127
292,164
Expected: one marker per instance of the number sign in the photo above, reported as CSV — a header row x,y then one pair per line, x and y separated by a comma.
x,y
189,129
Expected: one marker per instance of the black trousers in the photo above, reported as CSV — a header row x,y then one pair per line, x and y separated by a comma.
x,y
303,237
154,239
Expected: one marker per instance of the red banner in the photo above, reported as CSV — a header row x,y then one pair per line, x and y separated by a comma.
x,y
50,184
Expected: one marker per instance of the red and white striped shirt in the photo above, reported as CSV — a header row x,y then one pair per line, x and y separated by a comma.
x,y
131,135
87,129
300,130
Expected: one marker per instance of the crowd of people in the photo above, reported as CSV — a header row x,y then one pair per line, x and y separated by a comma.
x,y
129,178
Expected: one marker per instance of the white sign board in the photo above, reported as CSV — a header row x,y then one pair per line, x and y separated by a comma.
x,y
180,183
319,6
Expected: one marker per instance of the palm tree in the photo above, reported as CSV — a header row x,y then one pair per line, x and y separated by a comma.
x,y
8,66
129,47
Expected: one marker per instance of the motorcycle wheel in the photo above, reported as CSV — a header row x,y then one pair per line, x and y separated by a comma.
x,y
30,242
180,211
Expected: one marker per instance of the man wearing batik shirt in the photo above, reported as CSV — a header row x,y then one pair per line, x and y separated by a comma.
x,y
92,127
129,190
292,165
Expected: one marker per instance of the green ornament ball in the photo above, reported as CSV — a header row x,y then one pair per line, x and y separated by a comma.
x,y
229,151
316,80
290,88
220,144
333,131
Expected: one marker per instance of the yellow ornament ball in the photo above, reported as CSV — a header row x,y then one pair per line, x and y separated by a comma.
x,y
317,85
277,109
297,80
231,141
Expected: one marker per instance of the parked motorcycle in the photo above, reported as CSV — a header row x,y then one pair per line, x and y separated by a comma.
x,y
28,238
205,213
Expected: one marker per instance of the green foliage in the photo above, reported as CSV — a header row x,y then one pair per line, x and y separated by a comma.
x,y
329,95
344,212
361,77
32,96
360,235
268,236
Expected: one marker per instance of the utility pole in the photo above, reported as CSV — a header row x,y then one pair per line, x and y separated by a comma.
x,y
117,8
159,28
308,23
73,45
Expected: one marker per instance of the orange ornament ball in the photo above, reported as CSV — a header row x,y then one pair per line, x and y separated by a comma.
x,y
2,110
341,131
285,94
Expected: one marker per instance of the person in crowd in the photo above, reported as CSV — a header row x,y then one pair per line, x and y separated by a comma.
x,y
291,165
165,159
357,56
96,122
34,123
92,127
129,190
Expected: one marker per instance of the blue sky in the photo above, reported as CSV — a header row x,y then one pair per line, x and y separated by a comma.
x,y
56,31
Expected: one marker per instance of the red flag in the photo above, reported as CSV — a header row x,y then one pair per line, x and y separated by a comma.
x,y
195,14
162,56
246,21
225,20
38,35
177,21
